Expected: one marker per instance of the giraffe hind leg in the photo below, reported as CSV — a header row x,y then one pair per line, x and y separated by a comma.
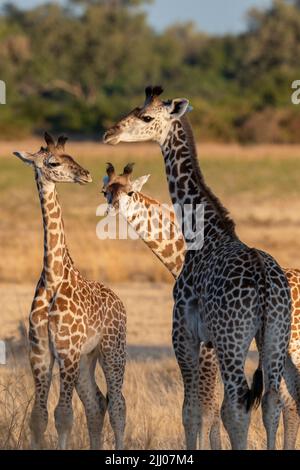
x,y
93,400
236,418
273,362
113,362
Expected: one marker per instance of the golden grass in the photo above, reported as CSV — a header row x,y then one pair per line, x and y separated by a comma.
x,y
259,185
153,387
95,149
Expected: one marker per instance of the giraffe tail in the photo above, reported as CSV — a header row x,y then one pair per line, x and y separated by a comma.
x,y
254,395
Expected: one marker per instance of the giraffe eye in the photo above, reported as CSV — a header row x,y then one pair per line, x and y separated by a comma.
x,y
53,164
147,118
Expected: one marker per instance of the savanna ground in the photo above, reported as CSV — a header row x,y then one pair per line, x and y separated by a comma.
x,y
260,186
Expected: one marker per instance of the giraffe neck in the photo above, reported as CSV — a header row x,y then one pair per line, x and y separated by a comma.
x,y
157,226
56,255
187,186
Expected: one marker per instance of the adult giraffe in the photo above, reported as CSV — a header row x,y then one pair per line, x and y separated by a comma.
x,y
72,320
157,226
226,293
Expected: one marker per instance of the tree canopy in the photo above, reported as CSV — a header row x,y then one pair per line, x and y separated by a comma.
x,y
77,68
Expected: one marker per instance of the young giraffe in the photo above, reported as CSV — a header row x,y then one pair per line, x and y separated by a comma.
x,y
72,320
226,293
146,215
158,228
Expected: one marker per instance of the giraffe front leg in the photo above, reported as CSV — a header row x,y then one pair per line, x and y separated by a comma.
x,y
186,347
291,422
215,432
41,361
290,397
94,402
209,398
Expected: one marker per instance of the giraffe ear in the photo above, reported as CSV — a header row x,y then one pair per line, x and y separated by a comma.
x,y
178,107
110,171
26,157
137,184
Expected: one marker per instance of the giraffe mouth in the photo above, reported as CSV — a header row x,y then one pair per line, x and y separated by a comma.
x,y
111,210
111,137
84,179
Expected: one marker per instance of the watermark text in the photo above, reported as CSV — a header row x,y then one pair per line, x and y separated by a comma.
x,y
2,92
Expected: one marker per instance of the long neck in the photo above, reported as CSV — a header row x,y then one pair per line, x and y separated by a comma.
x,y
189,191
55,250
157,226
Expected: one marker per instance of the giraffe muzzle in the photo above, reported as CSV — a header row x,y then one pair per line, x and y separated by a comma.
x,y
111,136
84,179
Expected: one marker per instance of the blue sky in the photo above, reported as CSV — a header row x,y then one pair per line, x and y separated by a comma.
x,y
213,16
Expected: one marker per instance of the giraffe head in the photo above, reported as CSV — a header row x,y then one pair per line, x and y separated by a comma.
x,y
119,189
52,164
152,121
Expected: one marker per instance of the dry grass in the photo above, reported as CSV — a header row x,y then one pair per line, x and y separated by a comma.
x,y
260,185
153,387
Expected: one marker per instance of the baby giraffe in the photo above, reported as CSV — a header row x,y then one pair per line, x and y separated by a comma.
x,y
157,226
73,321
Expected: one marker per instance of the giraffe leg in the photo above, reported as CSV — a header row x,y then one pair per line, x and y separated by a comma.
x,y
41,365
288,393
215,433
112,360
64,411
235,417
291,422
209,432
41,362
186,347
274,360
271,409
93,400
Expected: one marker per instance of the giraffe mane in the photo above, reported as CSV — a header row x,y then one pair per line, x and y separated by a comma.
x,y
213,199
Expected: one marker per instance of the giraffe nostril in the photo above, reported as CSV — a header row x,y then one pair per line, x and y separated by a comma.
x,y
110,132
83,176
